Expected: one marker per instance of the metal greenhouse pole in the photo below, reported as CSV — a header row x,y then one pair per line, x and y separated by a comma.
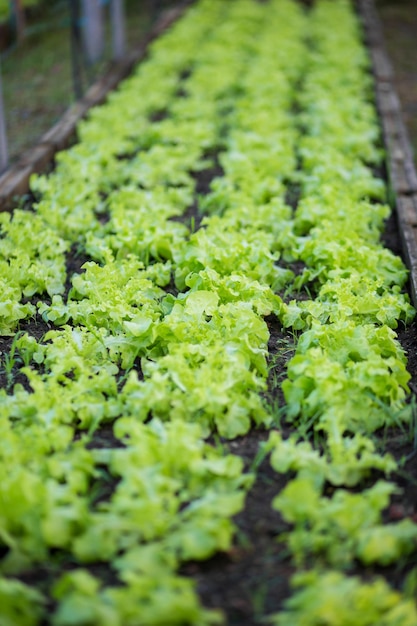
x,y
118,24
93,29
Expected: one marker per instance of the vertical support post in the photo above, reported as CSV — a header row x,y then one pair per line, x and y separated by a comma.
x,y
4,155
76,47
118,24
93,30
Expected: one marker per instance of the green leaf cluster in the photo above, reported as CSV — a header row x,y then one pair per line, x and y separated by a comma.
x,y
333,598
345,527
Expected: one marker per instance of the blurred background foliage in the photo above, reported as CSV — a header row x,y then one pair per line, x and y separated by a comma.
x,y
36,65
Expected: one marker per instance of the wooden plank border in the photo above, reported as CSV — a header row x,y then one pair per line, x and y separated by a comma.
x,y
14,182
400,164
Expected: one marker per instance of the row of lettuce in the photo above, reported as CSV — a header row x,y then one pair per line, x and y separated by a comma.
x,y
168,370
348,378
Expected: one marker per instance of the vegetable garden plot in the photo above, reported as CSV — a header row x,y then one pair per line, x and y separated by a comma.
x,y
131,382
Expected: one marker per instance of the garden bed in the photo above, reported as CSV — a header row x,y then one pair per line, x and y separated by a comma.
x,y
206,408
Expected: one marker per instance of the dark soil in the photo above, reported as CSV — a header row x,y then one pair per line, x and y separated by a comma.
x,y
292,195
74,265
193,217
252,579
10,359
